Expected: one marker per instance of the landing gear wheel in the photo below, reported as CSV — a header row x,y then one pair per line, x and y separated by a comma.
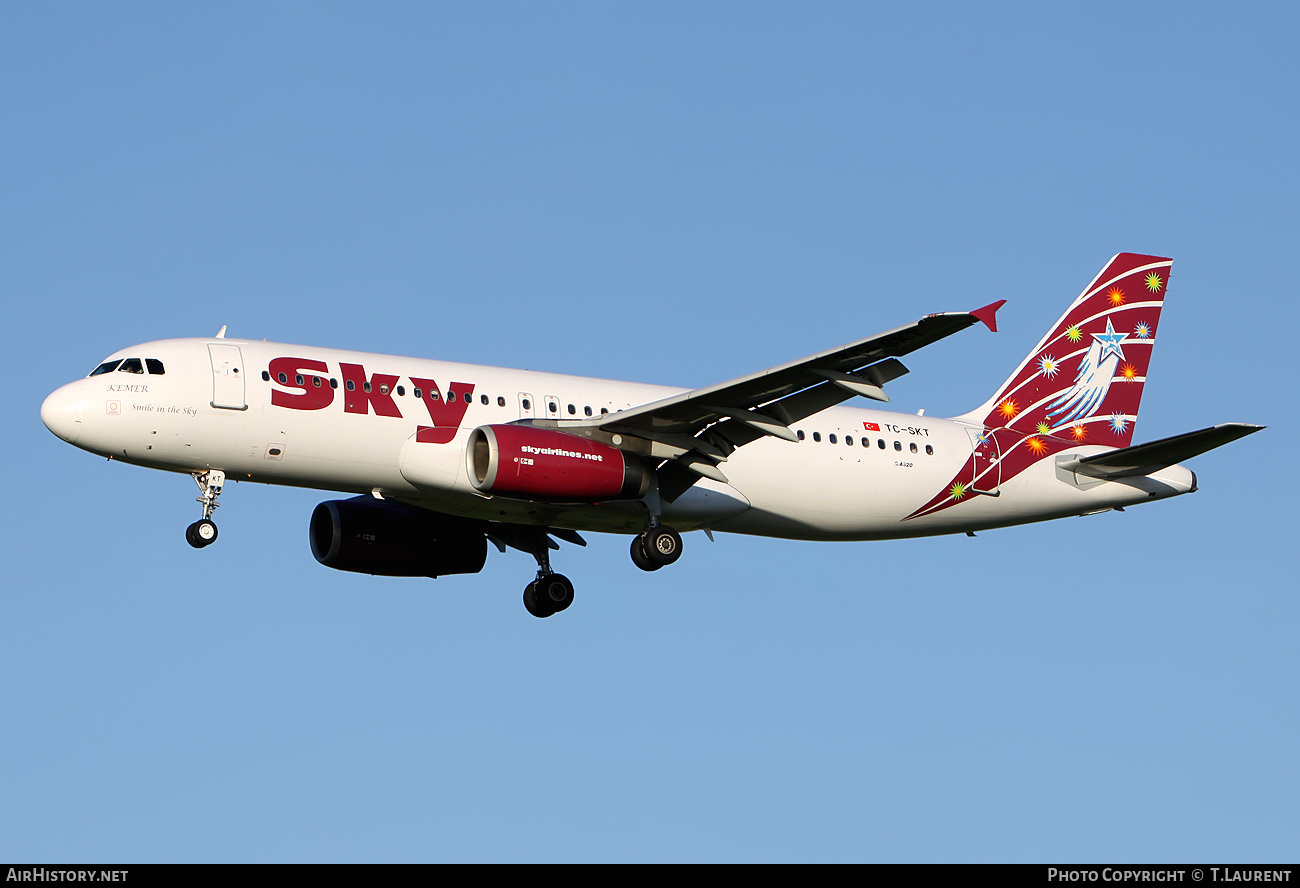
x,y
663,545
201,533
548,595
531,604
555,592
639,557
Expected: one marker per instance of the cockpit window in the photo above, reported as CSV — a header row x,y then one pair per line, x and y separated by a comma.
x,y
154,366
106,367
131,365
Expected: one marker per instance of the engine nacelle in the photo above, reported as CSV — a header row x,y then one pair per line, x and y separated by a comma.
x,y
534,463
392,540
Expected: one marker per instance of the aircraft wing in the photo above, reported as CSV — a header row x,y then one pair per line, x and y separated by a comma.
x,y
697,430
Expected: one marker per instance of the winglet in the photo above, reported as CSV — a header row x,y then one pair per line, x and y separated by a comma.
x,y
989,314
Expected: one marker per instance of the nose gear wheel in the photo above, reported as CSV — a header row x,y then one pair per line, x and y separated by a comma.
x,y
204,531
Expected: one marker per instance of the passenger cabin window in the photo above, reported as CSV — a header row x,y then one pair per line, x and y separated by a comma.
x,y
572,410
913,447
106,367
154,366
817,436
131,365
848,439
586,411
880,443
501,402
898,445
800,434
929,450
483,399
468,398
832,439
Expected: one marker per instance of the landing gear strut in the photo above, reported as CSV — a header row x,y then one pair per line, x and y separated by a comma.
x,y
550,593
204,532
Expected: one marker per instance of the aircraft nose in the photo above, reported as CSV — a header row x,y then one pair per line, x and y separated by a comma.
x,y
63,412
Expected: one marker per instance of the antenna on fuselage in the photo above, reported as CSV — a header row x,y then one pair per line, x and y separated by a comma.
x,y
221,334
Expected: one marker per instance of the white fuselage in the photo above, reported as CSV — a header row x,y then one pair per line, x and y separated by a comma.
x,y
855,475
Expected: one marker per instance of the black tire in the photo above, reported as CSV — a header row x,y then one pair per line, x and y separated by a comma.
x,y
533,603
201,533
639,557
663,545
205,532
555,591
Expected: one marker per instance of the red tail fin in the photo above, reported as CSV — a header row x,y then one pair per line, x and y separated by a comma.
x,y
1084,380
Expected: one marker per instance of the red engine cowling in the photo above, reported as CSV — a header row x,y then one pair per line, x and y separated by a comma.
x,y
532,463
392,540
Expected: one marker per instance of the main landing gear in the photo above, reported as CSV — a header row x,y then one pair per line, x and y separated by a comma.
x,y
656,546
204,532
550,593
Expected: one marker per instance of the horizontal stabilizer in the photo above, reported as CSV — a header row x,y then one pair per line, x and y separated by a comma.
x,y
1144,459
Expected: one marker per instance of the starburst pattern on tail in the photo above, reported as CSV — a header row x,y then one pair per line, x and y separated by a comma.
x,y
1082,383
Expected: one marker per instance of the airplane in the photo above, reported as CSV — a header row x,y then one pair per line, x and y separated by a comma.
x,y
443,458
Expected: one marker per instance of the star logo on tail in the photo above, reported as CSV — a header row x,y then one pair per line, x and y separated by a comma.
x,y
1093,379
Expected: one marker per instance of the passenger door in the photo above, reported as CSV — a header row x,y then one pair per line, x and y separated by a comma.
x,y
227,377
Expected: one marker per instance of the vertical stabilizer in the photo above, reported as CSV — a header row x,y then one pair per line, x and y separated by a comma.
x,y
1084,380
1082,384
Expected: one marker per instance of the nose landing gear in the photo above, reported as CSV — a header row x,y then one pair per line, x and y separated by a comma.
x,y
201,533
204,531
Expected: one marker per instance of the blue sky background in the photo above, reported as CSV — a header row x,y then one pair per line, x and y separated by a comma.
x,y
676,193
